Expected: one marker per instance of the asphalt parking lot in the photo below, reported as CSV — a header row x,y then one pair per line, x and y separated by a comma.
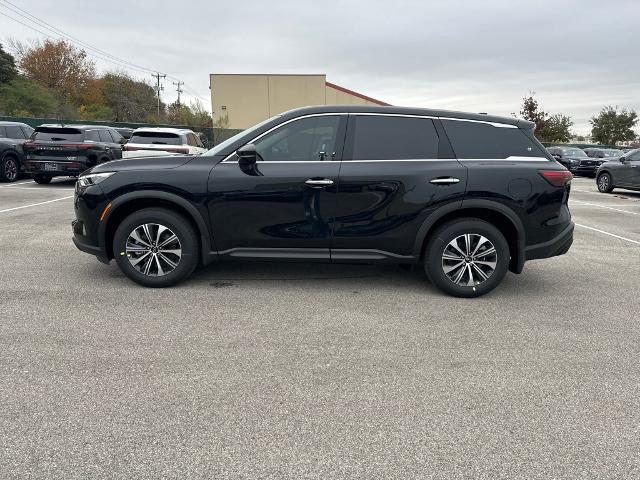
x,y
258,370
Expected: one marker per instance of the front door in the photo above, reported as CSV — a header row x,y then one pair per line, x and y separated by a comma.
x,y
396,170
282,206
629,171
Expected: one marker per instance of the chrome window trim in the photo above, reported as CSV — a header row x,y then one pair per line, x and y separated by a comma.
x,y
225,160
495,124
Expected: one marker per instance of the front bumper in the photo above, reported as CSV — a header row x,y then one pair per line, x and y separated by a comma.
x,y
559,245
88,205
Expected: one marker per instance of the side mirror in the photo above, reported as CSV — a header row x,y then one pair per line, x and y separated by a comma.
x,y
247,154
622,159
123,141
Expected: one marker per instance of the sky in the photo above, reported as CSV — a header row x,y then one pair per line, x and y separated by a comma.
x,y
479,56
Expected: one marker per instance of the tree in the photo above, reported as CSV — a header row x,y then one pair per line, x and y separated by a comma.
x,y
8,69
610,126
556,128
95,111
23,98
129,99
531,111
57,66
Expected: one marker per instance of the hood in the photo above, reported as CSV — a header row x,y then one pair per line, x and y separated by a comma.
x,y
163,162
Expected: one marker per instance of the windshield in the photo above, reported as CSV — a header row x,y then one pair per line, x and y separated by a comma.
x,y
156,138
57,134
221,146
573,152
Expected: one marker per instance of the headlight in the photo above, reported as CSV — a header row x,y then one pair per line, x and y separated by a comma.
x,y
93,178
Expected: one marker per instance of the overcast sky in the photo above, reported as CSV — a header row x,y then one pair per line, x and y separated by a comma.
x,y
475,55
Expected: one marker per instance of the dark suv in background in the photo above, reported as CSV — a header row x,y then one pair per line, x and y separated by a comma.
x,y
68,150
576,160
468,196
12,136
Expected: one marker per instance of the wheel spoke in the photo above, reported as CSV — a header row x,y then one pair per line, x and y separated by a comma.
x,y
454,244
449,256
160,271
176,252
491,265
458,277
167,260
479,271
489,251
172,238
146,228
451,268
132,247
136,236
147,265
136,261
481,242
149,254
470,282
467,244
161,228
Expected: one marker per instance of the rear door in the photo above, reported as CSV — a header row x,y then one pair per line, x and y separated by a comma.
x,y
397,170
628,174
284,204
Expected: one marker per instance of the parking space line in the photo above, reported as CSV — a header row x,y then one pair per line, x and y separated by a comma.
x,y
607,233
34,204
603,206
43,188
19,183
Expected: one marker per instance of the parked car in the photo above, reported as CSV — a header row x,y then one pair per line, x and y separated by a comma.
x,y
154,141
68,150
575,160
605,153
468,196
124,131
623,172
12,137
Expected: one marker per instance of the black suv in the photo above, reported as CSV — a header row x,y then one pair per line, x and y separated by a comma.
x,y
12,136
576,160
57,150
469,196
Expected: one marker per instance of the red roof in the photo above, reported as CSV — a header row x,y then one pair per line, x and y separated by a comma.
x,y
356,94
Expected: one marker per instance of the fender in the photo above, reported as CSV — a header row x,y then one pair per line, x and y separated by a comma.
x,y
207,252
480,204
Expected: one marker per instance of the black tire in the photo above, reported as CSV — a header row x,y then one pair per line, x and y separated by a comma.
x,y
188,245
9,169
604,183
440,240
42,179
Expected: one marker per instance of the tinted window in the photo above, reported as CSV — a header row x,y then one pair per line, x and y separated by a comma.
x,y
27,131
379,137
483,140
92,135
158,138
104,136
312,138
191,140
115,135
14,131
634,157
58,134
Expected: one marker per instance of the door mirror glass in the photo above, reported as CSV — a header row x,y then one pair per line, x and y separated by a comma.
x,y
247,154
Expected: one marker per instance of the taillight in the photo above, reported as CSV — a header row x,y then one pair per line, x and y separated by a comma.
x,y
557,178
176,150
77,146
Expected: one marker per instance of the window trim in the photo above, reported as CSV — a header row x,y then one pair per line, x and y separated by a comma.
x,y
226,159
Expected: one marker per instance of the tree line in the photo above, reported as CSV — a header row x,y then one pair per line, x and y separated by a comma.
x,y
53,78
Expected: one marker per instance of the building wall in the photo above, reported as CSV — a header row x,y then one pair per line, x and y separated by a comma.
x,y
248,99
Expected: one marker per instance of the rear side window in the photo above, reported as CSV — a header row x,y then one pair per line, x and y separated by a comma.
x,y
483,140
14,131
378,137
92,135
117,138
27,130
58,134
157,138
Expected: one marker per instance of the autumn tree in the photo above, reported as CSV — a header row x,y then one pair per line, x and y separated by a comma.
x,y
130,100
23,98
611,126
549,128
57,66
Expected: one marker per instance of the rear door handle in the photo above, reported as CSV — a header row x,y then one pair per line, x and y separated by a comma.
x,y
324,182
444,181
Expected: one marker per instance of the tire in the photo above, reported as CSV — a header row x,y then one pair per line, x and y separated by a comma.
x,y
154,268
604,183
42,179
481,235
9,169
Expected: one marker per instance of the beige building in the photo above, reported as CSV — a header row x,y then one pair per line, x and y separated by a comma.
x,y
239,101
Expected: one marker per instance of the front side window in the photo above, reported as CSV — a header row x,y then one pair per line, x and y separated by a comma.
x,y
380,137
306,139
105,137
482,140
634,157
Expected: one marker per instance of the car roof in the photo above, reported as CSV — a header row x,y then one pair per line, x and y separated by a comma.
x,y
7,123
72,125
481,117
163,130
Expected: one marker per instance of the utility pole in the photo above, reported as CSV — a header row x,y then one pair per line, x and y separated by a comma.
x,y
158,88
179,90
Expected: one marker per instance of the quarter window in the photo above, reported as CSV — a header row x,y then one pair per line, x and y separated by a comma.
x,y
306,139
378,137
483,140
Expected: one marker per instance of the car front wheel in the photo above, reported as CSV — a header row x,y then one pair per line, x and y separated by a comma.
x,y
156,247
604,183
467,257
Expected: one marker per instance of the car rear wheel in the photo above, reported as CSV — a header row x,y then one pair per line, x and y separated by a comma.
x,y
9,169
42,179
604,183
467,257
156,247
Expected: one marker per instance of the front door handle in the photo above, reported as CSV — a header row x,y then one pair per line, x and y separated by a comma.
x,y
445,181
324,182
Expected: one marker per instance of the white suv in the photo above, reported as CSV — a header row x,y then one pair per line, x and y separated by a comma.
x,y
155,141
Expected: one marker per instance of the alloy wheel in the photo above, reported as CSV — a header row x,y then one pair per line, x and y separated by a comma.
x,y
153,249
469,260
603,183
10,170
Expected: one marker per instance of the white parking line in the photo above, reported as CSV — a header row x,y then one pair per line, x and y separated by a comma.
x,y
19,183
43,188
34,204
603,206
608,233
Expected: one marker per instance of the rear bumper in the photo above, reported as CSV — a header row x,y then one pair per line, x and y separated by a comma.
x,y
559,245
62,167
